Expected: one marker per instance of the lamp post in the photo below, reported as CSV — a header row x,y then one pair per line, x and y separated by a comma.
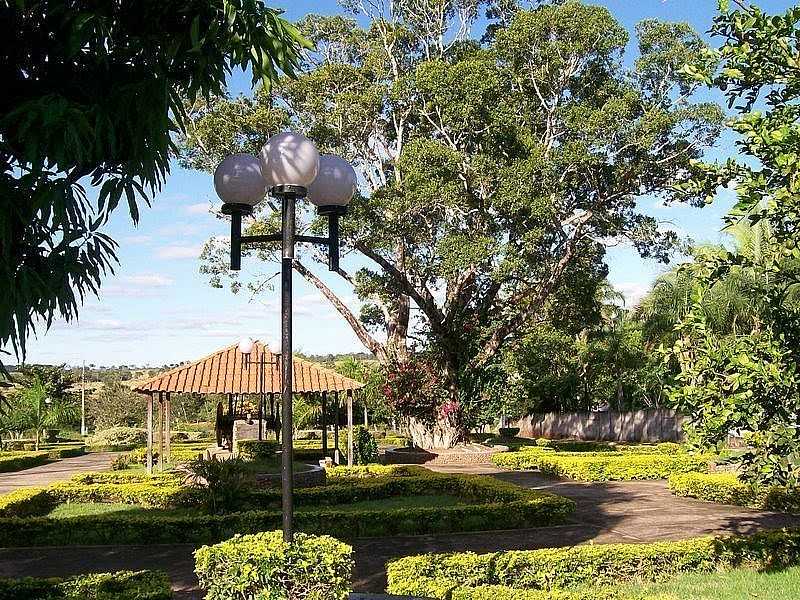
x,y
289,168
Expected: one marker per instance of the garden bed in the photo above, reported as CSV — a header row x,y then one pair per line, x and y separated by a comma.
x,y
583,572
474,503
602,466
469,454
123,585
727,488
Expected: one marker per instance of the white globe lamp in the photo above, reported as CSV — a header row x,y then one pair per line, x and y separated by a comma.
x,y
246,345
289,161
239,182
334,186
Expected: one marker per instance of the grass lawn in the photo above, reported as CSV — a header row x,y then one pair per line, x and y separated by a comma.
x,y
393,503
736,585
82,509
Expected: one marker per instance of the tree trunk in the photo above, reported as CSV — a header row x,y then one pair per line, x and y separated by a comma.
x,y
442,434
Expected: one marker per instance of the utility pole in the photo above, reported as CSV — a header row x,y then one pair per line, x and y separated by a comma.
x,y
83,399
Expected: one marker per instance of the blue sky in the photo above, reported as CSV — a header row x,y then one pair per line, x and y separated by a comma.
x,y
158,308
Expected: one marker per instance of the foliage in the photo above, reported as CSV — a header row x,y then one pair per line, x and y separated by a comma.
x,y
365,449
264,566
435,575
373,377
17,461
114,405
496,505
493,171
26,502
728,488
223,482
756,70
149,494
747,384
122,585
93,94
602,466
33,408
254,449
118,437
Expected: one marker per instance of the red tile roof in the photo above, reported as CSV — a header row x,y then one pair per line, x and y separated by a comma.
x,y
228,372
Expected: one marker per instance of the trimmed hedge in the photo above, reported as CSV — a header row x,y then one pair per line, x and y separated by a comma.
x,y
17,461
602,466
498,505
158,494
66,451
27,502
264,566
123,585
370,471
462,576
255,449
727,488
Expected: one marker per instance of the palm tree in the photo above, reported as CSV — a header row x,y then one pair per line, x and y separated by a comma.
x,y
36,410
734,303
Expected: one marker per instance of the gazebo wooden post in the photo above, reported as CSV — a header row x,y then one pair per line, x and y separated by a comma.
x,y
336,427
150,398
160,430
167,427
324,402
349,428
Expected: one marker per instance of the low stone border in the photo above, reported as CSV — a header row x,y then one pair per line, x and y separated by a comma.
x,y
471,454
314,476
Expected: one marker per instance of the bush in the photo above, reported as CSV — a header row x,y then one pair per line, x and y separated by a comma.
x,y
27,502
508,432
124,585
365,449
371,471
498,505
17,461
256,450
556,569
222,483
157,494
727,488
168,477
602,466
118,437
179,454
264,566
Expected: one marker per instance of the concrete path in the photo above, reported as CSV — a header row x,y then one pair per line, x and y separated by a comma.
x,y
613,512
58,470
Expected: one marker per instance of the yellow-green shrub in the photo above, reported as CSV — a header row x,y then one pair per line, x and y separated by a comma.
x,y
264,566
17,461
26,502
123,585
727,488
438,575
602,466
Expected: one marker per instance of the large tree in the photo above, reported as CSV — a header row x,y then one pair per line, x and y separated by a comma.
x,y
494,172
748,383
92,95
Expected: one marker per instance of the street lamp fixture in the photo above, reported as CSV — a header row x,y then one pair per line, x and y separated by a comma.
x,y
289,168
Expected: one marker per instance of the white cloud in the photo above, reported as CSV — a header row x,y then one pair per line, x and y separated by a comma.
x,y
136,240
179,251
149,279
633,291
201,208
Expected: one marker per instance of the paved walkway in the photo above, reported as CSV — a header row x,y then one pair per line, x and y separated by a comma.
x,y
612,512
55,471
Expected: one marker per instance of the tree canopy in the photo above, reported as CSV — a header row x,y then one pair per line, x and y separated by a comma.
x,y
93,93
495,171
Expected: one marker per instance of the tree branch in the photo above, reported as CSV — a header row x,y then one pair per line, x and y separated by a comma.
x,y
357,326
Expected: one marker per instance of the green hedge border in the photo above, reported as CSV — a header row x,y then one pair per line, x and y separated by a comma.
x,y
727,488
13,461
530,574
602,466
499,505
122,585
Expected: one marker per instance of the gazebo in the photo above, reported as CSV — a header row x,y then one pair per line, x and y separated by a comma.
x,y
236,375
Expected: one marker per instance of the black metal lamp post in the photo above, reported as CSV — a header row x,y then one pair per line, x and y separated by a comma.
x,y
290,168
